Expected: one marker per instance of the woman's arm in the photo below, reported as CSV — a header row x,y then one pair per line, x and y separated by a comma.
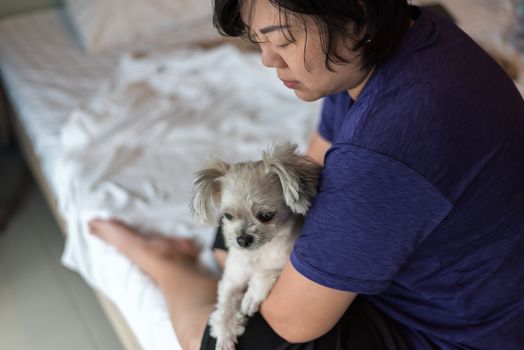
x,y
318,147
300,310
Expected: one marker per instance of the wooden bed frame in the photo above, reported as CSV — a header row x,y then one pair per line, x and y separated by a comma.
x,y
124,333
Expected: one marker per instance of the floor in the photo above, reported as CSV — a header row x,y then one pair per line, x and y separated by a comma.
x,y
44,306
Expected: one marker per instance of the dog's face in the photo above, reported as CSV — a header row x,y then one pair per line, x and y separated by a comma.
x,y
252,206
255,200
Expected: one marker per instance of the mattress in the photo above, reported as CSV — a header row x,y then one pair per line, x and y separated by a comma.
x,y
46,75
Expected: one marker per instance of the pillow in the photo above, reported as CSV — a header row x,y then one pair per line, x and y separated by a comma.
x,y
102,25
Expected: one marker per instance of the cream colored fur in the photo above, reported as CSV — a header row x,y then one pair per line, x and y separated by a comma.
x,y
261,207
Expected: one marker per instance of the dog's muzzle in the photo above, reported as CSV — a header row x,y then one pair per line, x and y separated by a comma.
x,y
245,240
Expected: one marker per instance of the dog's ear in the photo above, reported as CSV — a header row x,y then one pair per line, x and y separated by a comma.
x,y
298,175
207,189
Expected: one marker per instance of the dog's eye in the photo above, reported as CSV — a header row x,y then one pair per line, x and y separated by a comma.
x,y
228,216
265,216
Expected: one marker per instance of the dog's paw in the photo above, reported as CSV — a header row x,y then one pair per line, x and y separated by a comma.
x,y
225,344
250,304
215,324
226,327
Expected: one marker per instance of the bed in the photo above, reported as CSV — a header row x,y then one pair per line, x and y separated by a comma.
x,y
91,160
119,132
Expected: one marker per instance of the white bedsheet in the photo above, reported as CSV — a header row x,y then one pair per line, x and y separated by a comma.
x,y
47,74
131,153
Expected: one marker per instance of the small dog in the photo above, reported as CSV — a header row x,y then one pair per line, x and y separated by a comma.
x,y
261,206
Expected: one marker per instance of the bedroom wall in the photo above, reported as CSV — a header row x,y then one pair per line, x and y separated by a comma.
x,y
9,7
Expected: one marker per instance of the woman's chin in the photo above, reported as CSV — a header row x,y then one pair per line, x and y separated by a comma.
x,y
308,96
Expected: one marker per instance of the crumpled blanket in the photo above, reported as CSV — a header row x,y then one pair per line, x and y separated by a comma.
x,y
131,151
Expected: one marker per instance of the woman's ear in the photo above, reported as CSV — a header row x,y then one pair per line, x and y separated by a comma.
x,y
207,191
298,176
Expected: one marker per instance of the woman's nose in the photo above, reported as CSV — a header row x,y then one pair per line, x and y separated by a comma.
x,y
272,59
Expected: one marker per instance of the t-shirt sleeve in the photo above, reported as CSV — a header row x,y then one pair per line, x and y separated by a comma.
x,y
370,215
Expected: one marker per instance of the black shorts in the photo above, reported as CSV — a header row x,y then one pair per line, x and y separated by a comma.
x,y
362,327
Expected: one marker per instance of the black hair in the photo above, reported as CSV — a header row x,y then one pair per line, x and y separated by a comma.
x,y
378,24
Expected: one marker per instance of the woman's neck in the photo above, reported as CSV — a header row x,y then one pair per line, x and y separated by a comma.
x,y
355,91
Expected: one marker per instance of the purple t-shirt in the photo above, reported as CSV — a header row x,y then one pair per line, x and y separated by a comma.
x,y
421,201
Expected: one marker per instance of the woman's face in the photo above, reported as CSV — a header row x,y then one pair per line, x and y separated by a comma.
x,y
300,64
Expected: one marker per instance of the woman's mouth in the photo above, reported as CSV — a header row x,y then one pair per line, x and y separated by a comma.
x,y
291,84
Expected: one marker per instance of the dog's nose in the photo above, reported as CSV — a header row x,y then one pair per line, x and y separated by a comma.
x,y
244,240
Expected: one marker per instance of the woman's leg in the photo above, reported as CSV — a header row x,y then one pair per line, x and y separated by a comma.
x,y
190,291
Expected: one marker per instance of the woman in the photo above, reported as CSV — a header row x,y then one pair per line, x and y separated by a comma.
x,y
420,210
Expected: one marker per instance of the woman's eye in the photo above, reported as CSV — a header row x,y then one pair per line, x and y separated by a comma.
x,y
228,216
265,217
282,46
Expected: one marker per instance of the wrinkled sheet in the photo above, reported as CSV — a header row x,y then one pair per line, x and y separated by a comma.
x,y
46,75
132,150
